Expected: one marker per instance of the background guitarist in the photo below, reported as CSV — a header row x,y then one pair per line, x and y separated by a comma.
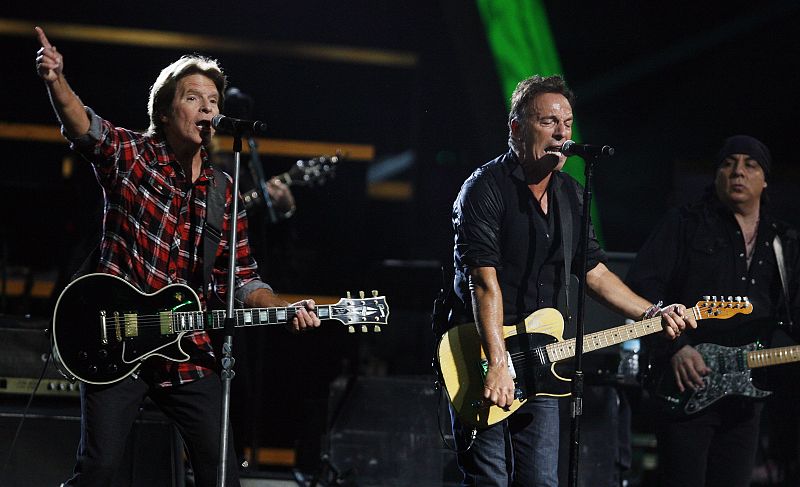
x,y
509,262
724,243
155,187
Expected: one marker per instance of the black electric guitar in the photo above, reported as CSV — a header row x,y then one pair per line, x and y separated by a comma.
x,y
535,346
104,328
730,376
311,172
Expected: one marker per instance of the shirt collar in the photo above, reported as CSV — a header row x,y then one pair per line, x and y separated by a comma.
x,y
165,156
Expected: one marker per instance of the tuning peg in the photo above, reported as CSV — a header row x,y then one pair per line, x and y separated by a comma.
x,y
374,293
376,328
361,294
364,329
347,294
351,329
706,298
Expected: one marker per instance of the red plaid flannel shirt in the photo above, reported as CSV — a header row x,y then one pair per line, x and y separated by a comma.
x,y
153,224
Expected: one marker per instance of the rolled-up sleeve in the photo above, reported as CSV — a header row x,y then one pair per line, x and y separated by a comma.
x,y
477,214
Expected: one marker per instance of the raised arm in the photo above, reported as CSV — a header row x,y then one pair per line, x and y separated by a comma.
x,y
67,105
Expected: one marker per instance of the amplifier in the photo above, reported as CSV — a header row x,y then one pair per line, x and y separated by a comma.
x,y
24,352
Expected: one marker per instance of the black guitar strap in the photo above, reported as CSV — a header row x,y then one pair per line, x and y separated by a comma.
x,y
215,211
777,247
564,209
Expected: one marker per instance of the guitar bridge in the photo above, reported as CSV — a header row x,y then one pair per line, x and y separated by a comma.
x,y
103,334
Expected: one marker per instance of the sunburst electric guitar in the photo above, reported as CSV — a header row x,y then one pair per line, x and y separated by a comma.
x,y
535,346
104,328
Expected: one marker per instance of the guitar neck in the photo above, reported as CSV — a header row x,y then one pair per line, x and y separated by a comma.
x,y
180,321
263,316
612,336
773,356
285,178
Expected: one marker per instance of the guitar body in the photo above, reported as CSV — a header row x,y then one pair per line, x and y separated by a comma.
x,y
460,355
730,376
90,342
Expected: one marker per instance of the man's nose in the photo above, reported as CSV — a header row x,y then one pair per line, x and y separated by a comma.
x,y
737,169
560,131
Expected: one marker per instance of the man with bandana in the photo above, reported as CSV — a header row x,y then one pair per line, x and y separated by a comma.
x,y
723,243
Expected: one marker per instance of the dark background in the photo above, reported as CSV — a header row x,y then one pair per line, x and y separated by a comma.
x,y
663,82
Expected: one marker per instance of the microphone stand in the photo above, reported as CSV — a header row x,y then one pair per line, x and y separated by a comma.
x,y
576,401
257,173
227,372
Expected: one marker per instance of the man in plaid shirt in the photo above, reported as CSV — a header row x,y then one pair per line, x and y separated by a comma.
x,y
155,186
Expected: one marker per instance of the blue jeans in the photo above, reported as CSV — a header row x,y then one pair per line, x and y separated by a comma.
x,y
521,451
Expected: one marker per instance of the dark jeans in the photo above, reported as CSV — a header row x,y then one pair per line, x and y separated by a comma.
x,y
521,451
108,414
715,448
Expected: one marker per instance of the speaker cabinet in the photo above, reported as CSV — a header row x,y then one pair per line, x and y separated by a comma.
x,y
383,432
44,454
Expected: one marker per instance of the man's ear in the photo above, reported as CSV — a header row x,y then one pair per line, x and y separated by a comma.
x,y
516,128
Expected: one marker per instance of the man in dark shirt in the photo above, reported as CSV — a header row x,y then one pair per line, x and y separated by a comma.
x,y
720,244
155,187
509,260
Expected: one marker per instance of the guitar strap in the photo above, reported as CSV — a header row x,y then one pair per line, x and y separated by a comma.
x,y
777,247
215,210
564,209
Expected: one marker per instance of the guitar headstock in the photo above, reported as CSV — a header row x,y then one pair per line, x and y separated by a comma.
x,y
362,311
315,171
722,309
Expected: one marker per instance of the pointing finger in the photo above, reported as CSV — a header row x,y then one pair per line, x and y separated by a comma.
x,y
42,37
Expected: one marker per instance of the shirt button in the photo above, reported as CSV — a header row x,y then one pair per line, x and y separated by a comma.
x,y
744,278
752,281
741,254
738,232
760,262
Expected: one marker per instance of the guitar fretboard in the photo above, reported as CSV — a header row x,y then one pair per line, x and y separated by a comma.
x,y
773,356
198,321
612,336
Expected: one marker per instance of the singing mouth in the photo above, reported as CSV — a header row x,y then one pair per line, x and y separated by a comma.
x,y
553,149
203,125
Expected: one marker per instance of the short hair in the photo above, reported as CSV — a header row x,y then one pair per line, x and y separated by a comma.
x,y
527,90
163,90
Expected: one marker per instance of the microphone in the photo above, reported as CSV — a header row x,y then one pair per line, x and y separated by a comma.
x,y
570,148
236,126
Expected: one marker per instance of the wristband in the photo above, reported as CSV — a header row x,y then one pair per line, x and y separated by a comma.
x,y
653,310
